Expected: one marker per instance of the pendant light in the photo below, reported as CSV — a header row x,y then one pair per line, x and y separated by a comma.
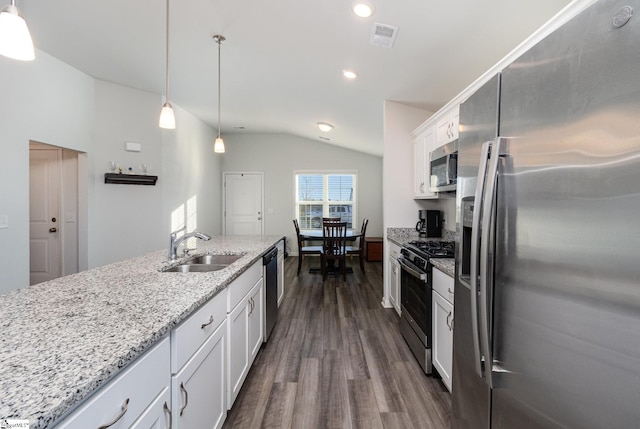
x,y
218,146
15,39
167,117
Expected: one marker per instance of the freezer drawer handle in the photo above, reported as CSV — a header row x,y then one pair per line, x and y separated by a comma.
x,y
168,411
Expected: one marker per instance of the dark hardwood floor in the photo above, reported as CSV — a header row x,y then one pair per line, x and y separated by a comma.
x,y
336,359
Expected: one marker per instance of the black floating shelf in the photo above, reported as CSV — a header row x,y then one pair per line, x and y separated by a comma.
x,y
130,179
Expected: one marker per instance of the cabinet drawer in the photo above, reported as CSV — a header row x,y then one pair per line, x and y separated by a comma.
x,y
443,284
243,284
138,385
187,338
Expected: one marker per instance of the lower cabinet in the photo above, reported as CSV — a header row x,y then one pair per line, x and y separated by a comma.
x,y
442,308
134,398
158,414
192,376
245,331
198,391
393,276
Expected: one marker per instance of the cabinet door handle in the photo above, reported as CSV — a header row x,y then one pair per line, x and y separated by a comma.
x,y
204,325
186,398
449,290
168,411
450,325
125,407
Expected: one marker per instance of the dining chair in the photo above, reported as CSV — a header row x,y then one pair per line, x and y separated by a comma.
x,y
359,250
304,250
334,243
330,219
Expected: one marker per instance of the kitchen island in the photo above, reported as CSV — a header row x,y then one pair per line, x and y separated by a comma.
x,y
62,340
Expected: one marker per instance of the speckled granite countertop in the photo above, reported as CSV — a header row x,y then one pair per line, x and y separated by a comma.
x,y
400,236
62,339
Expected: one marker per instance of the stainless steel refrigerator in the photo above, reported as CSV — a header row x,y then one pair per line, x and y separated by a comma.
x,y
547,298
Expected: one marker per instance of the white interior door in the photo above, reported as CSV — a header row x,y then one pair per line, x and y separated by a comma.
x,y
44,214
243,203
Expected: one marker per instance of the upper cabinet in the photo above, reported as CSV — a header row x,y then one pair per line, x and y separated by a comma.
x,y
423,144
436,131
448,127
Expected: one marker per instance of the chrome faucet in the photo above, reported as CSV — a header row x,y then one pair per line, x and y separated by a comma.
x,y
175,241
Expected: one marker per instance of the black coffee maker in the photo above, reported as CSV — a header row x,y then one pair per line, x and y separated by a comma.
x,y
430,224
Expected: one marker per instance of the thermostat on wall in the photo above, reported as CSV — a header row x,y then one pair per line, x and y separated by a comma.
x,y
132,147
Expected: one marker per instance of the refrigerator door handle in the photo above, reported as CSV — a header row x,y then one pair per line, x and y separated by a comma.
x,y
486,265
475,243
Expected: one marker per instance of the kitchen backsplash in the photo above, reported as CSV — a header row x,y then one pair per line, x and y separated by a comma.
x,y
412,233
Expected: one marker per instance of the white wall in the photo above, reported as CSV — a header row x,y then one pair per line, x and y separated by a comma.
x,y
45,101
400,209
130,220
126,219
191,168
50,102
279,155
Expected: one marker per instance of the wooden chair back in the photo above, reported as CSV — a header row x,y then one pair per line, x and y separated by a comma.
x,y
334,239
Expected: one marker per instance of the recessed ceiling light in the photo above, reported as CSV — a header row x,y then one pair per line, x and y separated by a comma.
x,y
325,127
349,74
363,9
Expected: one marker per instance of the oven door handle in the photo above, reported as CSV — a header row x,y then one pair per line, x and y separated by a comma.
x,y
409,269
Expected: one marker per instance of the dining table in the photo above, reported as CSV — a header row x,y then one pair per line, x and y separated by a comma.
x,y
317,235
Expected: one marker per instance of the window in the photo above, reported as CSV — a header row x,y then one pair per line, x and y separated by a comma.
x,y
321,195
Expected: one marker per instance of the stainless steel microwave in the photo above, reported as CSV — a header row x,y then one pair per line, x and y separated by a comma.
x,y
444,167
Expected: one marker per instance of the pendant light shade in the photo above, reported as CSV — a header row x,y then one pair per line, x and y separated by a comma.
x,y
15,39
167,116
218,146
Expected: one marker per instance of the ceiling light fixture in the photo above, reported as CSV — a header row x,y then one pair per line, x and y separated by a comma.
x,y
15,39
363,9
349,74
325,127
218,146
167,116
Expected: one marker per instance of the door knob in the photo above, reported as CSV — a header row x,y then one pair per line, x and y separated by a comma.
x,y
53,230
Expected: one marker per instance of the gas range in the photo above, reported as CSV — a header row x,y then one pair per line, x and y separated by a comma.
x,y
432,249
419,252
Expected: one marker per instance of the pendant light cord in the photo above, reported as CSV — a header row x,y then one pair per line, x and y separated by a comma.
x,y
219,39
167,55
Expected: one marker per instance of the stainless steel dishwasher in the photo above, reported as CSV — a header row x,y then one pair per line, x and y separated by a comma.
x,y
270,262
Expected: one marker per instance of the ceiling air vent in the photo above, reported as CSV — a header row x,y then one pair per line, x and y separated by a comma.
x,y
383,35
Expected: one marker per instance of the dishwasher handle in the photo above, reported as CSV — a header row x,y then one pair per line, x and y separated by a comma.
x,y
270,255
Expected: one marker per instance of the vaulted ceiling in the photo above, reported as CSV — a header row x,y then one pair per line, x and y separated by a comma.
x,y
283,59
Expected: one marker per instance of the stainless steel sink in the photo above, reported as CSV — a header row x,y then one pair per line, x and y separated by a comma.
x,y
214,259
195,268
204,264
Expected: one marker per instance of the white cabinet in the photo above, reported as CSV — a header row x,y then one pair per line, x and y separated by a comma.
x,y
158,414
245,323
447,127
422,147
134,398
198,364
393,276
198,390
442,307
280,246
